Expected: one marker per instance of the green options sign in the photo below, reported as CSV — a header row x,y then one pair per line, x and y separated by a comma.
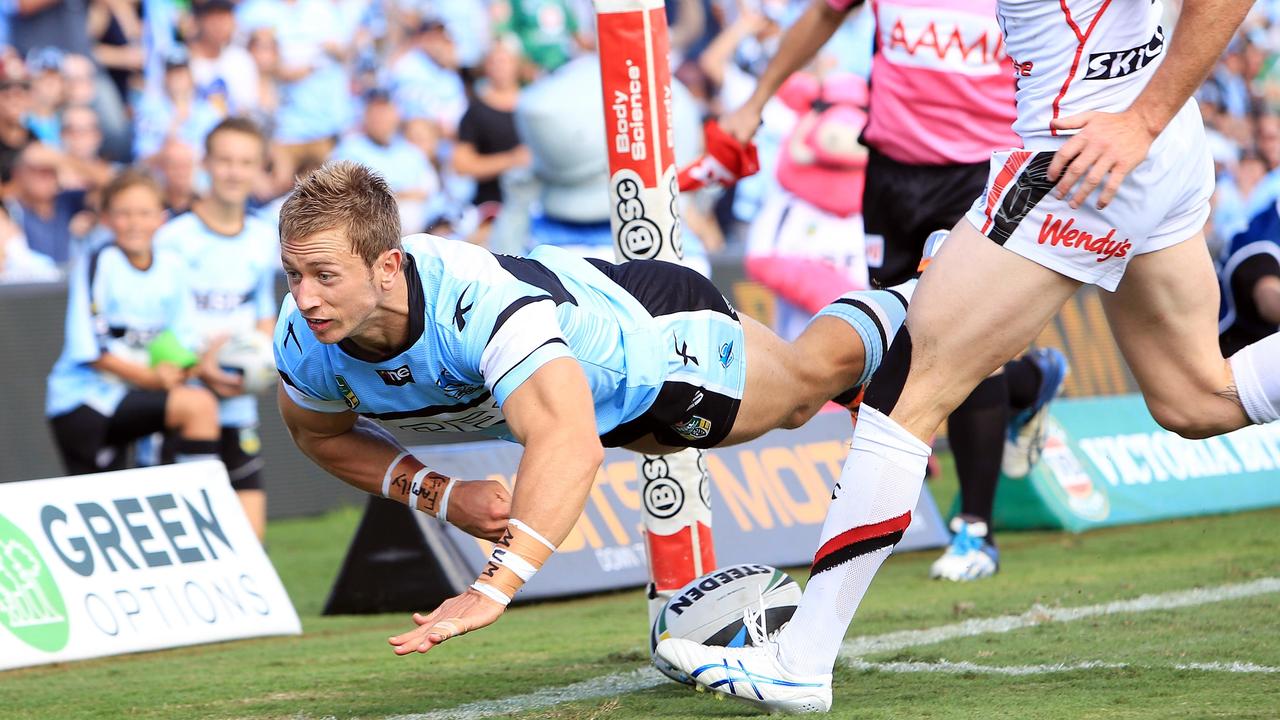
x,y
1107,462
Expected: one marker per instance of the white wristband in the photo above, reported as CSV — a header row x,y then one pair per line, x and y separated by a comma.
x,y
386,477
443,513
491,592
416,486
513,562
532,533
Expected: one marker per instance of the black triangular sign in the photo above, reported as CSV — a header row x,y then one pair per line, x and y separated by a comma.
x,y
398,561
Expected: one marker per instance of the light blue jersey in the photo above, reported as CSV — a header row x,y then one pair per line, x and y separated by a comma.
x,y
113,307
481,324
232,283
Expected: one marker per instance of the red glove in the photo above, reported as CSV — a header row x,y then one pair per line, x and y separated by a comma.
x,y
725,162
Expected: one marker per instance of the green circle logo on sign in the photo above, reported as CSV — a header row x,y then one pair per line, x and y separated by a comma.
x,y
31,606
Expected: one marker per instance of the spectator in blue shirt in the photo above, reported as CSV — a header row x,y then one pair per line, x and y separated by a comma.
x,y
46,213
381,146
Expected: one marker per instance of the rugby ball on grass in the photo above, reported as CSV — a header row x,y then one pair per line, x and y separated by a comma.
x,y
712,610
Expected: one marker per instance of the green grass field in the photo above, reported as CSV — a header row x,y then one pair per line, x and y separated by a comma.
x,y
1215,658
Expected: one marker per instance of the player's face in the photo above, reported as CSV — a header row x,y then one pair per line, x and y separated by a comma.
x,y
234,164
332,286
134,216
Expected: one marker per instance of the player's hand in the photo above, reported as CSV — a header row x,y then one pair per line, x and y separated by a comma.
x,y
1108,147
222,383
169,376
742,123
456,616
480,508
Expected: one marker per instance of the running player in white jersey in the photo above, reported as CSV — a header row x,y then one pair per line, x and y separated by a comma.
x,y
556,352
231,262
1111,188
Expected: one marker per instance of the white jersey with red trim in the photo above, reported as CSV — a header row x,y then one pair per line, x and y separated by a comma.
x,y
1073,56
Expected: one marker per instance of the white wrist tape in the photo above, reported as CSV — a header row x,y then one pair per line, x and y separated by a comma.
x,y
386,477
416,487
443,513
513,562
491,592
532,533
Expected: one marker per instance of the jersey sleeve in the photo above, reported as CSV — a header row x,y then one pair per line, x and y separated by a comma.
x,y
83,339
300,362
513,332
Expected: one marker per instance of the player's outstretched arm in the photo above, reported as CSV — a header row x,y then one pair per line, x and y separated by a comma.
x,y
365,456
553,416
800,43
1109,145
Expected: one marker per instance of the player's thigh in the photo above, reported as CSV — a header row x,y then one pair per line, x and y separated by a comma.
x,y
976,307
1164,316
778,384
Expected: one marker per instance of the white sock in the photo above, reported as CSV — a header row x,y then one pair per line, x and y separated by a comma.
x,y
1256,369
877,491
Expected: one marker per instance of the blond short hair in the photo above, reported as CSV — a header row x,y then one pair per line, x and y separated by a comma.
x,y
344,196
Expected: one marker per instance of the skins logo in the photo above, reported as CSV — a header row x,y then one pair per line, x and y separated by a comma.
x,y
695,428
459,312
682,351
1111,65
348,394
455,388
1053,232
398,377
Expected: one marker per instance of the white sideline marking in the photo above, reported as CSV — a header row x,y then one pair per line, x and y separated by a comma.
x,y
1039,615
646,677
965,667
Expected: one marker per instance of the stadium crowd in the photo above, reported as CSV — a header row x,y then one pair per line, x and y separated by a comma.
x,y
424,92
473,112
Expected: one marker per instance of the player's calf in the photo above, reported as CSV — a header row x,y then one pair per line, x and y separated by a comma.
x,y
192,412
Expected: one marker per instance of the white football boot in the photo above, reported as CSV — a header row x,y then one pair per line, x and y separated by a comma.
x,y
969,556
752,674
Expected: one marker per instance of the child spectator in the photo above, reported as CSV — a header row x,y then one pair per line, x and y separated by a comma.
x,y
104,392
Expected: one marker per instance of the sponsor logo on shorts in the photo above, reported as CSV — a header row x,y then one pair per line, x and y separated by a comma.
x,y
396,377
250,441
682,351
348,394
726,354
1023,69
1111,65
695,428
1056,232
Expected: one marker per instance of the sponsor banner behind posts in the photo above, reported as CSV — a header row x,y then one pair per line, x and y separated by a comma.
x,y
129,561
1107,462
770,497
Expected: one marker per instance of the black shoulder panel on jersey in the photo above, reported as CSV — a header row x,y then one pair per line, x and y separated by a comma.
x,y
536,274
